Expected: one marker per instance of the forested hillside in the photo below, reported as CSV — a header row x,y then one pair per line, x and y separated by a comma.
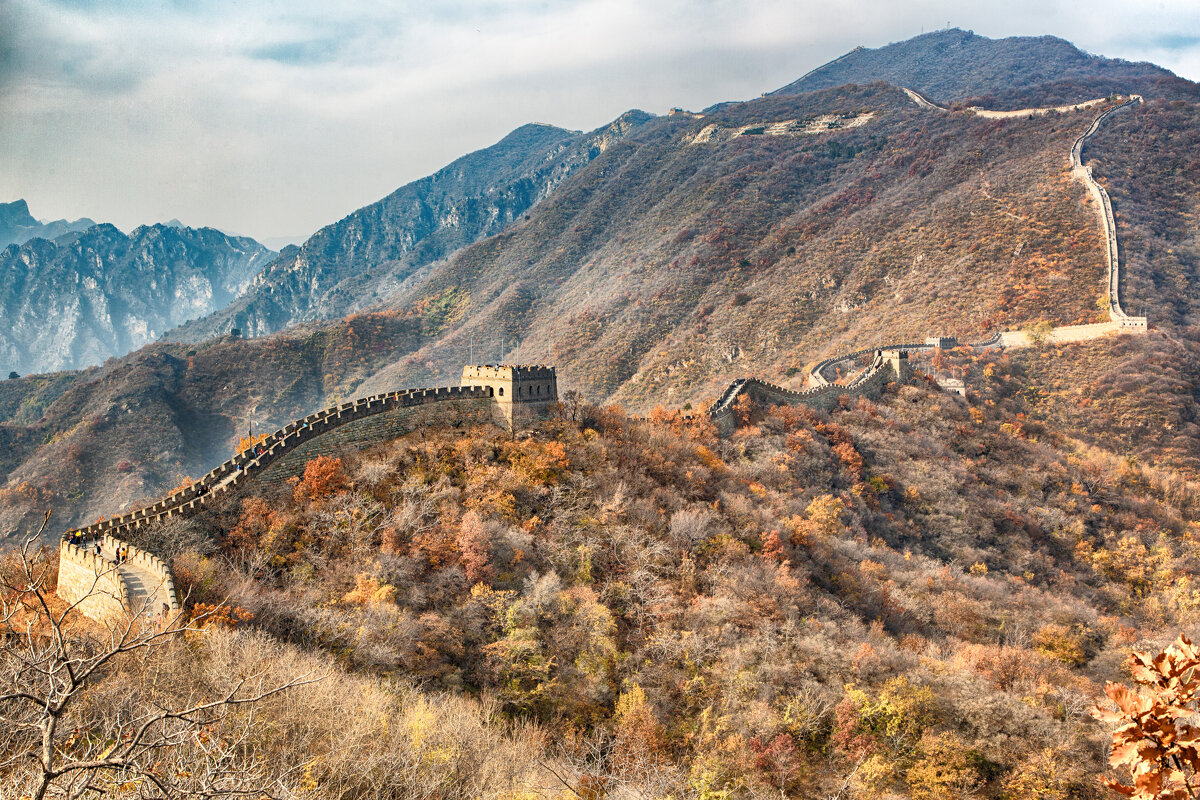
x,y
917,596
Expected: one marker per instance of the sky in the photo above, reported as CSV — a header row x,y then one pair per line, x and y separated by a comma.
x,y
271,119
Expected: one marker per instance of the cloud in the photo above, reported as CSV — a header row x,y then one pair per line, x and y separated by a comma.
x,y
275,117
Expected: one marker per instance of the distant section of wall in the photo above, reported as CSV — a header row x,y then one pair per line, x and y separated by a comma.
x,y
890,365
94,583
1065,334
1104,210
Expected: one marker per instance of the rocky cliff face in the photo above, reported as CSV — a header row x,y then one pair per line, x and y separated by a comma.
x,y
86,296
17,225
369,255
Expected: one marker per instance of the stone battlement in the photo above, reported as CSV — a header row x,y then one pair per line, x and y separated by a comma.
x,y
524,372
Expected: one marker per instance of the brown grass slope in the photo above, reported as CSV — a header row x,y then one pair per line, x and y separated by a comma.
x,y
665,268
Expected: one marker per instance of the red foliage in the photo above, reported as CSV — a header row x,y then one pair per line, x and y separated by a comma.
x,y
772,549
323,476
779,759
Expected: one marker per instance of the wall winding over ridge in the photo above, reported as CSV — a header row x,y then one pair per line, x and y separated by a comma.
x,y
104,592
281,453
823,393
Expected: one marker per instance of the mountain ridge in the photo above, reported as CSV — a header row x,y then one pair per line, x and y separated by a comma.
x,y
18,226
954,65
370,253
89,295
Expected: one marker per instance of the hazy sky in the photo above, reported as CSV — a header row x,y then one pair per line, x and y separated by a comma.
x,y
274,118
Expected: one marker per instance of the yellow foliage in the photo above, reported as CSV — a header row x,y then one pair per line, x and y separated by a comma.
x,y
368,591
947,769
1044,775
246,442
825,512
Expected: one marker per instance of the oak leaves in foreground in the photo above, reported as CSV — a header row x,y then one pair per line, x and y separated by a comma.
x,y
1152,738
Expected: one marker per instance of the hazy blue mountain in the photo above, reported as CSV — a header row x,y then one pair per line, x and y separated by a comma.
x,y
17,225
88,295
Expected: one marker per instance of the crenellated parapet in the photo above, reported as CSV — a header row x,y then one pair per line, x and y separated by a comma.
x,y
889,365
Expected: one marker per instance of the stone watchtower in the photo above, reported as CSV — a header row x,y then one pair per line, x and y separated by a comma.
x,y
521,392
897,362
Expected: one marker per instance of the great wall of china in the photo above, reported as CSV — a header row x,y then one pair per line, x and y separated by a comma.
x,y
141,586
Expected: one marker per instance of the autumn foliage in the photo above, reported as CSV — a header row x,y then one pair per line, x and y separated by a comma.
x,y
322,477
1153,740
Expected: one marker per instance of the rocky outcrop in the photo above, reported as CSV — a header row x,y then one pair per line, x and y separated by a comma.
x,y
85,297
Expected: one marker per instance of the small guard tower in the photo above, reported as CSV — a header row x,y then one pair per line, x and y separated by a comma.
x,y
897,361
522,392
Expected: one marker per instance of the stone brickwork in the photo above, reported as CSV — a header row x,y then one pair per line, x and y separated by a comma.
x,y
520,392
93,583
360,433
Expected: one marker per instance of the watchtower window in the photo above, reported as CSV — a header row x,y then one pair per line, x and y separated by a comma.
x,y
539,389
502,391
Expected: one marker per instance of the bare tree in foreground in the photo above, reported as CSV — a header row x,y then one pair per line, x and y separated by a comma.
x,y
87,710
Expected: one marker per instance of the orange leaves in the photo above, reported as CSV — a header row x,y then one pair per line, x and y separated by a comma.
x,y
185,483
206,615
252,526
368,591
1161,751
323,476
538,462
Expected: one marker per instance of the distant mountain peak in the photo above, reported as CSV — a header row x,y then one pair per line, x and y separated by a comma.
x,y
953,64
17,225
16,212
84,296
